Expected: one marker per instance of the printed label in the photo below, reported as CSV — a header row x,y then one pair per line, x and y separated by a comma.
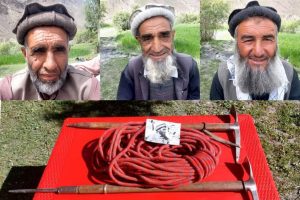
x,y
162,132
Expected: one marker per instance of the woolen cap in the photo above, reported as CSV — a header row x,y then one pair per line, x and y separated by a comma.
x,y
253,9
149,11
36,15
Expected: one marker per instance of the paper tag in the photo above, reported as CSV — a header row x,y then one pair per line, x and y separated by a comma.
x,y
162,132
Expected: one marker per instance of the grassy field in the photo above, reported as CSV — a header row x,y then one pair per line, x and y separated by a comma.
x,y
29,130
12,63
289,45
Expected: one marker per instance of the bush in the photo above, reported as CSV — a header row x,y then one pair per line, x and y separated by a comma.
x,y
290,26
213,14
121,21
86,36
9,48
188,19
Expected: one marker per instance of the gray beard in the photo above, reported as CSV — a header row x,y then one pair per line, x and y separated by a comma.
x,y
50,87
160,71
258,81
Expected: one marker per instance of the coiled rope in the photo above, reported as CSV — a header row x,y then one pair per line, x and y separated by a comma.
x,y
129,160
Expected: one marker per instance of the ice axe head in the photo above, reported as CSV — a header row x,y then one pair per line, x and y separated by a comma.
x,y
250,184
236,128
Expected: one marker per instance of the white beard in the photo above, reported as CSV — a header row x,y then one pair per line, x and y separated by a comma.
x,y
258,81
50,87
160,71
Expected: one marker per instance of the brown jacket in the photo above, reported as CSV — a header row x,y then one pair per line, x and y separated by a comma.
x,y
79,85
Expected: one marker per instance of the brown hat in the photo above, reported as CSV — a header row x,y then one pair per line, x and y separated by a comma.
x,y
36,15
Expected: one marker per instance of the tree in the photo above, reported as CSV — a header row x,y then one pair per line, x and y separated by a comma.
x,y
213,14
93,14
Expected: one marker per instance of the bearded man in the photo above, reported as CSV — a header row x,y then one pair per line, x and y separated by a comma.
x,y
159,73
44,32
255,71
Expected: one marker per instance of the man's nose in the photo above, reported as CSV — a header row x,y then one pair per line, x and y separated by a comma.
x,y
50,62
258,49
156,44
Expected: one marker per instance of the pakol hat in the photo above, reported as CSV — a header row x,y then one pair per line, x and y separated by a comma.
x,y
253,9
149,11
36,15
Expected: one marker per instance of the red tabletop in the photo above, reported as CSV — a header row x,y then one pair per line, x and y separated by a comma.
x,y
66,166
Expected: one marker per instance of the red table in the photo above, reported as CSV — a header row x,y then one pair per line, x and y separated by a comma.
x,y
66,166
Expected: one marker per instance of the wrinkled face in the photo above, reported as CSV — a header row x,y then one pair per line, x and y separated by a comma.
x,y
256,41
156,38
46,52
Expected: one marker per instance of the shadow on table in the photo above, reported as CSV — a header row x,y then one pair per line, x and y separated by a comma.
x,y
21,177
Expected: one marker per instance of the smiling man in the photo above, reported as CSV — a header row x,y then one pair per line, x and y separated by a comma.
x,y
44,32
255,71
159,73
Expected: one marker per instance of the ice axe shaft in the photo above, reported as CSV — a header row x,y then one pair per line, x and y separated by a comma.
x,y
107,125
212,186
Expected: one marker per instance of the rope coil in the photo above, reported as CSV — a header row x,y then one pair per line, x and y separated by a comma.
x,y
129,160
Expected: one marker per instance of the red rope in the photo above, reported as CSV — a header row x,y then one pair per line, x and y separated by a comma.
x,y
129,160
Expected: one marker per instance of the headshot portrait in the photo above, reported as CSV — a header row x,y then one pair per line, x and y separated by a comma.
x,y
252,54
48,56
150,51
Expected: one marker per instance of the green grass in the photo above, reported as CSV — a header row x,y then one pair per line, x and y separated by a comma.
x,y
127,42
289,45
29,130
110,76
12,59
82,50
186,40
9,69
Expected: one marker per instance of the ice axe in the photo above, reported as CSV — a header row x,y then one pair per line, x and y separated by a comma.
x,y
206,127
211,186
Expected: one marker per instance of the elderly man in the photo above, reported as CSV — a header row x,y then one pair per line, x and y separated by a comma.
x,y
255,71
45,32
159,73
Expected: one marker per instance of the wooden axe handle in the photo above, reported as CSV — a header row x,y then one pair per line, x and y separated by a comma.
x,y
228,186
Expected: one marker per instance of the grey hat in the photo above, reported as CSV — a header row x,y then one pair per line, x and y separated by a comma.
x,y
252,9
36,15
149,11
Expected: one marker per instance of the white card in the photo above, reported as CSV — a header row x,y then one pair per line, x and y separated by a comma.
x,y
162,132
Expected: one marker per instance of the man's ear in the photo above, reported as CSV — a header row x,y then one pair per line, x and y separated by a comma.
x,y
23,49
173,34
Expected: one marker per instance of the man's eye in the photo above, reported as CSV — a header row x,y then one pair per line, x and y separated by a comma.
x,y
38,50
147,38
165,34
60,49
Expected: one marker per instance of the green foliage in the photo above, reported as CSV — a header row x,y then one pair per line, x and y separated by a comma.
x,y
9,48
82,50
187,39
86,36
289,26
127,42
213,14
11,59
188,18
289,48
93,14
121,21
103,11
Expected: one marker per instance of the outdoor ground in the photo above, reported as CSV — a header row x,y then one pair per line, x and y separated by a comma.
x,y
29,130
